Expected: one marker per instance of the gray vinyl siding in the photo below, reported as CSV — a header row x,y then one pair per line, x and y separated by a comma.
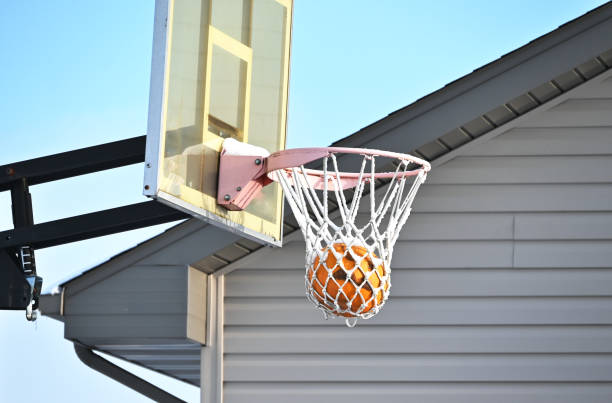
x,y
502,285
130,305
143,315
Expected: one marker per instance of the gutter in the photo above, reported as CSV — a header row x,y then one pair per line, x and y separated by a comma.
x,y
103,366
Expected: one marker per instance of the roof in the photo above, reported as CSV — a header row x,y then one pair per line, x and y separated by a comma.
x,y
433,127
511,76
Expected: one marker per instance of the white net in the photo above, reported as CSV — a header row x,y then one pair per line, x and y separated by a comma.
x,y
350,234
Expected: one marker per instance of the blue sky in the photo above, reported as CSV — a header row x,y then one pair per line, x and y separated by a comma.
x,y
76,74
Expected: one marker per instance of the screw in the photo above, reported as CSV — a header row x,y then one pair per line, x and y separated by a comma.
x,y
238,189
10,171
227,197
8,237
148,165
146,187
257,161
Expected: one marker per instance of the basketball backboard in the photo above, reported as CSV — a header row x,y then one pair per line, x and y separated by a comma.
x,y
219,70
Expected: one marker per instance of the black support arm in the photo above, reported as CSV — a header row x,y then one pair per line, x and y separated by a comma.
x,y
91,225
19,283
74,163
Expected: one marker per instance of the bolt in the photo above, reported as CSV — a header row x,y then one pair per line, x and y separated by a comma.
x,y
10,171
258,161
227,197
148,165
8,237
238,189
146,187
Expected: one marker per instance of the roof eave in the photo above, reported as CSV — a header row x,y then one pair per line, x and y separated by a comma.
x,y
494,84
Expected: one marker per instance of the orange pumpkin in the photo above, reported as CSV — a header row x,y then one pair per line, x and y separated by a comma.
x,y
330,280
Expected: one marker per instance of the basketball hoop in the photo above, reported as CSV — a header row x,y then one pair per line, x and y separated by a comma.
x,y
349,244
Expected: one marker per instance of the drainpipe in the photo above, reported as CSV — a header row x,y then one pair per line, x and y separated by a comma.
x,y
98,363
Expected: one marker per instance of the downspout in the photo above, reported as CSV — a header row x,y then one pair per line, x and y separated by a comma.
x,y
103,366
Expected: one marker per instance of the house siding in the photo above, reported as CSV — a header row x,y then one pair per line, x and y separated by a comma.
x,y
502,285
151,315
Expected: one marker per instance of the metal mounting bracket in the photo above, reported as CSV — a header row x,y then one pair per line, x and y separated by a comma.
x,y
242,174
16,290
20,287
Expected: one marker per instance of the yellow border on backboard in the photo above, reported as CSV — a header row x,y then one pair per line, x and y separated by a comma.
x,y
244,53
288,4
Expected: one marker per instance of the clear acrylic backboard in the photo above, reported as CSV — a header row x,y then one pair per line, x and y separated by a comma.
x,y
220,69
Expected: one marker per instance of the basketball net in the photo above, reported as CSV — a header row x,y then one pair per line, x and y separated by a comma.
x,y
349,249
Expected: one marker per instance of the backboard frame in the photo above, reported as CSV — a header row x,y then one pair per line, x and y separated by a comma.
x,y
157,94
158,98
